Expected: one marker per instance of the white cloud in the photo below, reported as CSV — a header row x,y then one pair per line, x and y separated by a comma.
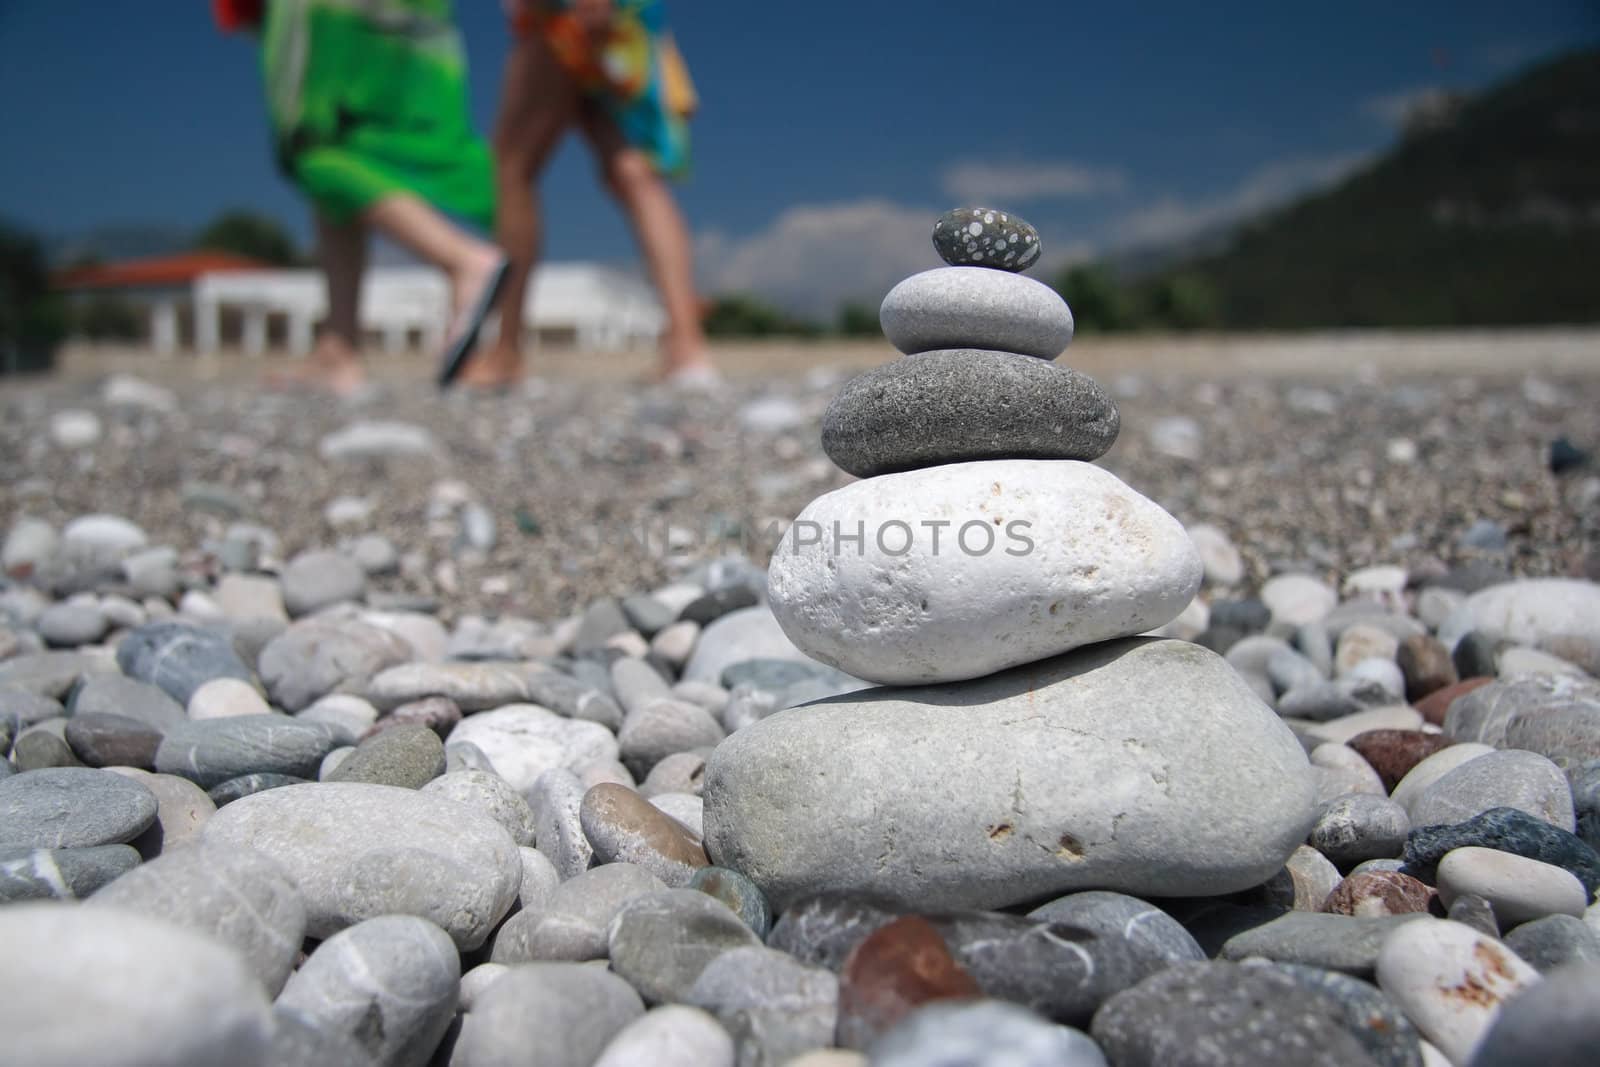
x,y
813,257
979,183
1175,218
1397,108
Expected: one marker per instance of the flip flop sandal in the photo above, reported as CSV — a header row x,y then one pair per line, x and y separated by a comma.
x,y
457,350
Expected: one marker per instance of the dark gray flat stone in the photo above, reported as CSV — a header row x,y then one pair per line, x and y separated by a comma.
x,y
960,405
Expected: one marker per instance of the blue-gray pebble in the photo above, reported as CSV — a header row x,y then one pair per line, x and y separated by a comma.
x,y
984,237
179,658
1139,921
61,873
738,893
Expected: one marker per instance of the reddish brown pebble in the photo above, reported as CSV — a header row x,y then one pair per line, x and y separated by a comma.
x,y
625,827
439,714
893,971
1426,665
1393,753
1374,894
1435,704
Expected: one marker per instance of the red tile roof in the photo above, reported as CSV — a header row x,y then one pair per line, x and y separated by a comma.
x,y
155,272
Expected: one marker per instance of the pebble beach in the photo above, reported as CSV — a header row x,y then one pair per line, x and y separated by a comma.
x,y
468,729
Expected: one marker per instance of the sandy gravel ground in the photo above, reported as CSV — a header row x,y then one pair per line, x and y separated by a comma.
x,y
1327,452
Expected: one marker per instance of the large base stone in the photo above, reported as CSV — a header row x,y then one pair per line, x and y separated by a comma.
x,y
1144,766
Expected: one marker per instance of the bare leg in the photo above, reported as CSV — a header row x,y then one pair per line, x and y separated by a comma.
x,y
408,219
335,362
537,103
663,237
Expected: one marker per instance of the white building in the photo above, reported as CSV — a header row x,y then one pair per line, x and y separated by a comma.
x,y
590,306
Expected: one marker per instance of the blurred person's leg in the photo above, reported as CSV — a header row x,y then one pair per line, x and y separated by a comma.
x,y
476,268
537,103
663,237
469,261
342,247
335,360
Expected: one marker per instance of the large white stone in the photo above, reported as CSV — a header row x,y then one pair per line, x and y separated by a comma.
x,y
523,741
1033,557
1144,766
1528,611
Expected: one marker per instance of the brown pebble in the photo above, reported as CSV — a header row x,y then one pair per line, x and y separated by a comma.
x,y
625,827
1393,753
893,971
1435,704
1373,894
1426,665
439,714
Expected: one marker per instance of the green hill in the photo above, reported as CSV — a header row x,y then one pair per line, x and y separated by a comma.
x,y
1486,212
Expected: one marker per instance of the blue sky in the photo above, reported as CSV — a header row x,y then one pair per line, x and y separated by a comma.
x,y
831,133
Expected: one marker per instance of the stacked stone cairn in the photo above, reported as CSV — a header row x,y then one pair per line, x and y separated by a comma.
x,y
1025,741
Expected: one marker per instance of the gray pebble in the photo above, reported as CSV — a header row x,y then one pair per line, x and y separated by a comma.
x,y
557,803
1555,941
181,812
248,785
661,728
51,674
572,698
315,657
529,1003
68,625
489,793
357,851
982,1033
316,579
775,1007
73,807
1221,1013
1346,943
970,307
1366,1012
179,658
1360,827
572,924
1118,914
1505,779
739,893
60,873
409,756
240,897
213,751
1556,1023
390,983
662,941
115,694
